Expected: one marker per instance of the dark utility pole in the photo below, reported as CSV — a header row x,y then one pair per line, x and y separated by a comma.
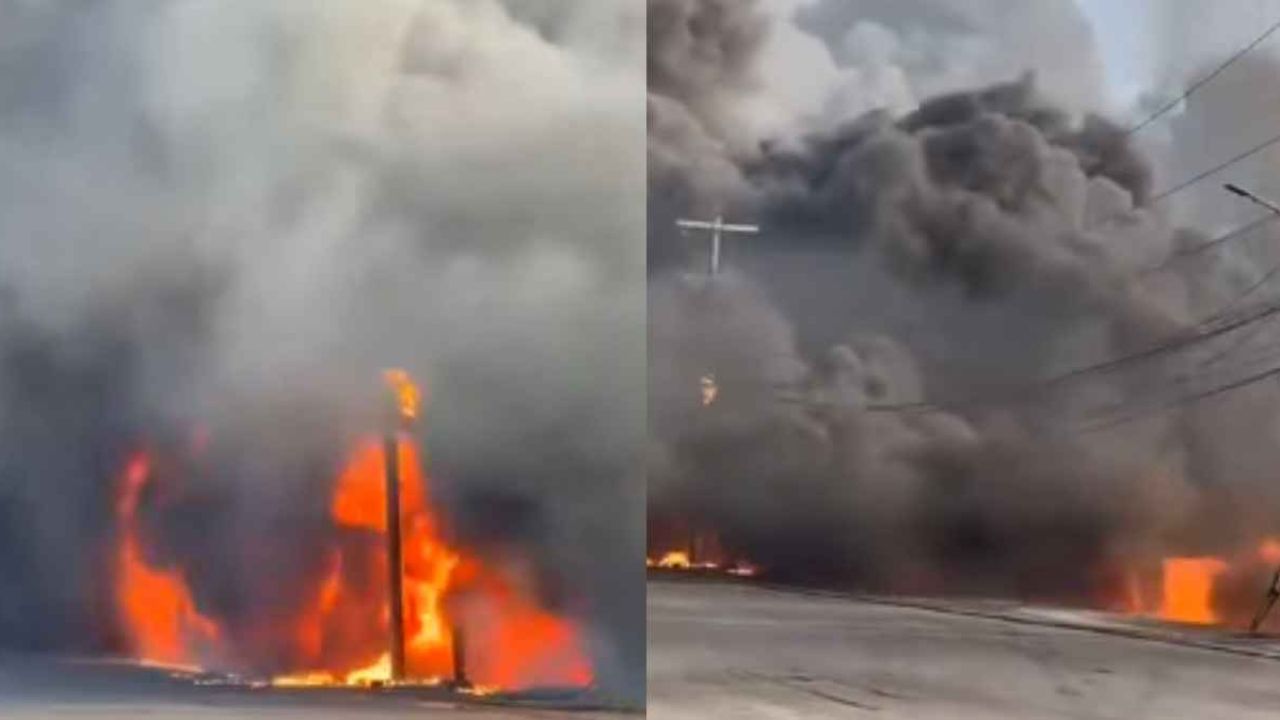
x,y
395,559
403,411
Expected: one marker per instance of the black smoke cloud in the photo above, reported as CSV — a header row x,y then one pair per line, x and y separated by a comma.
x,y
235,217
955,252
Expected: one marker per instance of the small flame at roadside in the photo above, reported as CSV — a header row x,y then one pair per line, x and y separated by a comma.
x,y
675,560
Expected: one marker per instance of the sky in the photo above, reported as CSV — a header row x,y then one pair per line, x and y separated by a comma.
x,y
1131,33
1128,58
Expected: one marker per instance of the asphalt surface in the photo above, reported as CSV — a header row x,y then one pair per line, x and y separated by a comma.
x,y
729,651
726,650
38,688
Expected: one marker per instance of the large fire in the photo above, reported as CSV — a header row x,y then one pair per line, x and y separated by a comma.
x,y
1203,590
340,635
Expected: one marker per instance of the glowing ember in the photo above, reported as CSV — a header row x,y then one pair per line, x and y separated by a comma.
x,y
339,635
710,390
1269,551
481,691
408,395
1188,589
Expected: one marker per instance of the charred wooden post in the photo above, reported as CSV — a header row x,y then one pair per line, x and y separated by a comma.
x,y
460,679
395,560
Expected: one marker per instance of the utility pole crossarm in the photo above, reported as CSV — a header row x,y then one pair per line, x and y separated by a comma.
x,y
726,227
717,228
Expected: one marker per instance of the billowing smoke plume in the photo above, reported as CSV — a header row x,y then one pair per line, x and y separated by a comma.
x,y
234,216
939,254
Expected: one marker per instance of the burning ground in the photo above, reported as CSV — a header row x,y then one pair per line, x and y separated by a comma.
x,y
221,224
935,247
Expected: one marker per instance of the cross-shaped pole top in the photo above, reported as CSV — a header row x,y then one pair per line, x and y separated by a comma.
x,y
717,228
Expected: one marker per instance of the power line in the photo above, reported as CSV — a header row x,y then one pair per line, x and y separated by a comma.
x,y
1275,139
1186,95
1119,420
1264,355
1163,110
1186,400
1267,277
1174,344
1229,236
1254,287
1189,182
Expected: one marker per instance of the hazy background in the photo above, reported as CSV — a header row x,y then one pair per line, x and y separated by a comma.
x,y
954,208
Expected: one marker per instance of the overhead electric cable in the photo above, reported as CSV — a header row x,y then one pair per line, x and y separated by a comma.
x,y
1174,344
1186,95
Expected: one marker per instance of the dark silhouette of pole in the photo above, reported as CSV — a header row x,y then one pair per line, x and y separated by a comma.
x,y
460,679
1268,602
395,559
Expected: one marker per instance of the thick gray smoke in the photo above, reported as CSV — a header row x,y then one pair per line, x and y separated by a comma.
x,y
950,249
234,216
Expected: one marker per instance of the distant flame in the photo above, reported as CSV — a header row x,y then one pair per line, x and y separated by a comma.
x,y
675,560
1269,551
703,554
1200,590
1188,589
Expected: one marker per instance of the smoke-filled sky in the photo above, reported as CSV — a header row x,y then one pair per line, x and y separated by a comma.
x,y
236,214
951,210
1146,43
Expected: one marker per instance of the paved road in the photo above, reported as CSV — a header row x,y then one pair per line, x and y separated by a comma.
x,y
33,688
731,651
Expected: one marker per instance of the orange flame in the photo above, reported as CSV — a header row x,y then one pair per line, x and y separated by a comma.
x,y
408,394
1188,589
1269,551
340,634
157,613
675,560
530,646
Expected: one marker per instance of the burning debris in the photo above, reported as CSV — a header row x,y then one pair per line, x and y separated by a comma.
x,y
464,620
